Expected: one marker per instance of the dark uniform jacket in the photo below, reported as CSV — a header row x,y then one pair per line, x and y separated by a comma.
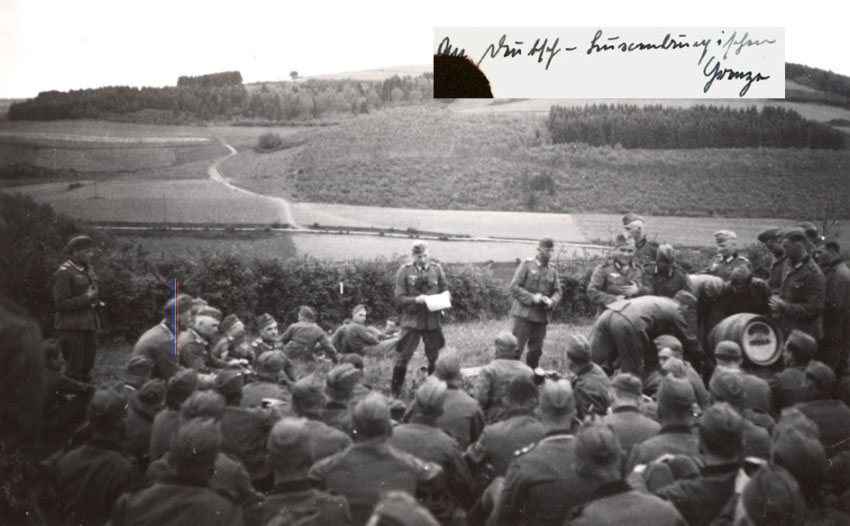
x,y
618,503
789,387
359,336
325,440
677,439
462,417
591,387
138,424
777,269
722,267
156,345
410,282
176,502
803,287
90,479
607,278
701,499
243,437
836,312
833,420
300,504
541,484
57,386
758,394
301,338
498,441
630,426
337,414
259,346
195,354
646,251
432,444
753,299
491,384
229,478
367,470
165,424
665,284
529,279
74,311
254,392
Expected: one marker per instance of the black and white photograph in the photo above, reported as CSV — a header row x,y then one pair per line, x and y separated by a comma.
x,y
267,263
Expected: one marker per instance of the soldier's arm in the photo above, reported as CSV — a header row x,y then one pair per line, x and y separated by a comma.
x,y
366,335
690,343
518,290
558,294
643,290
813,302
287,334
402,298
327,346
596,288
476,426
165,362
63,300
512,497
477,453
320,470
442,283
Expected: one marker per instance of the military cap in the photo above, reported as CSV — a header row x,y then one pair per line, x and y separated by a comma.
x,y
770,234
546,242
271,362
724,235
419,247
371,414
741,275
206,310
821,375
666,253
307,313
79,243
556,397
727,386
801,344
264,320
521,389
676,367
630,218
138,366
578,348
397,507
182,302
505,344
342,378
357,308
721,430
675,393
685,298
194,445
794,234
792,417
809,228
801,454
431,394
597,445
182,384
447,367
667,341
228,322
622,239
354,359
107,406
727,349
308,392
772,498
228,382
627,383
151,393
289,440
203,404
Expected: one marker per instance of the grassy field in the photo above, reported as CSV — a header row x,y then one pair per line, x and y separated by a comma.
x,y
473,341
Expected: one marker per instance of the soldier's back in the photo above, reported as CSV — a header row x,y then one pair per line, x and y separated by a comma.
x,y
229,477
788,388
630,426
176,505
462,417
165,424
833,420
623,505
325,440
675,440
758,394
254,393
499,441
243,436
296,503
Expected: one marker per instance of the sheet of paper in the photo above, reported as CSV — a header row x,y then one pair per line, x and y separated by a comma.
x,y
436,302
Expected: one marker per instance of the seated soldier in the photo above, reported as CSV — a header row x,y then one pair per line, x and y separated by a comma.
x,y
789,386
360,389
590,383
462,416
184,498
625,420
232,342
308,401
340,390
491,384
831,416
268,339
178,388
157,343
194,343
670,347
302,338
663,277
359,338
293,497
270,369
728,387
65,399
143,407
759,397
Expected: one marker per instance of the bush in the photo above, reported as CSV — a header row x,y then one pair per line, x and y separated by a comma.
x,y
269,142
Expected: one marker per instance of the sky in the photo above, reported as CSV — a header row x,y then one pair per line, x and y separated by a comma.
x,y
63,45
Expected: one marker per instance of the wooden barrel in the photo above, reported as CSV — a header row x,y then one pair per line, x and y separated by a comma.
x,y
760,339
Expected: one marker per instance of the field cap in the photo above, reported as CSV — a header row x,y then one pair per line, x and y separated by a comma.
x,y
308,392
597,445
556,398
138,366
264,320
770,234
727,386
371,413
809,228
447,367
182,384
307,313
801,454
676,367
578,348
724,235
721,429
195,445
630,218
354,359
358,308
506,344
206,310
271,362
203,404
794,233
151,393
419,247
728,349
792,417
669,342
342,378
622,239
666,253
107,406
801,344
183,303
228,382
772,498
546,242
431,394
289,440
741,275
675,393
228,322
821,374
627,383
79,243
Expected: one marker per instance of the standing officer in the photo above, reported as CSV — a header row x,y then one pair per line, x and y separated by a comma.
x,y
75,296
728,258
536,290
414,281
772,239
645,249
799,303
619,277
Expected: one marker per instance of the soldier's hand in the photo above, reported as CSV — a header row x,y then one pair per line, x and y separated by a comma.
x,y
547,301
629,290
538,298
420,299
91,293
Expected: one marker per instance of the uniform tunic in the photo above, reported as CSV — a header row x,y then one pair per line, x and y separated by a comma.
x,y
302,338
491,384
156,345
701,499
299,503
788,387
462,417
229,478
76,319
630,426
676,439
722,266
833,420
607,278
498,441
591,387
803,287
834,348
665,284
646,251
618,503
529,318
165,424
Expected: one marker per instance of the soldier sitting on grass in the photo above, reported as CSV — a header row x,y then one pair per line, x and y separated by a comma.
x,y
303,338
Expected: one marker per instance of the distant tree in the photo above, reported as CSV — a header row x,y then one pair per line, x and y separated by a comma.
x,y
293,74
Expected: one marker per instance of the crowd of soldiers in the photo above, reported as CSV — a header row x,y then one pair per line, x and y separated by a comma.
x,y
650,422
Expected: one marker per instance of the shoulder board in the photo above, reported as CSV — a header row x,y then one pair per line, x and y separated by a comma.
x,y
522,451
556,438
743,257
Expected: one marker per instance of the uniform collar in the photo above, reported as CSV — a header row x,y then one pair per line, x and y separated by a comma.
x,y
676,428
540,264
424,267
618,266
198,338
557,434
641,243
730,258
167,329
625,409
74,264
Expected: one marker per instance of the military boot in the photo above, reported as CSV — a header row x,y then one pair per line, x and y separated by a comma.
x,y
398,380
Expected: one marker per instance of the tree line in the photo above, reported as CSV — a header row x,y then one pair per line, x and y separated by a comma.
x,y
657,127
220,97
